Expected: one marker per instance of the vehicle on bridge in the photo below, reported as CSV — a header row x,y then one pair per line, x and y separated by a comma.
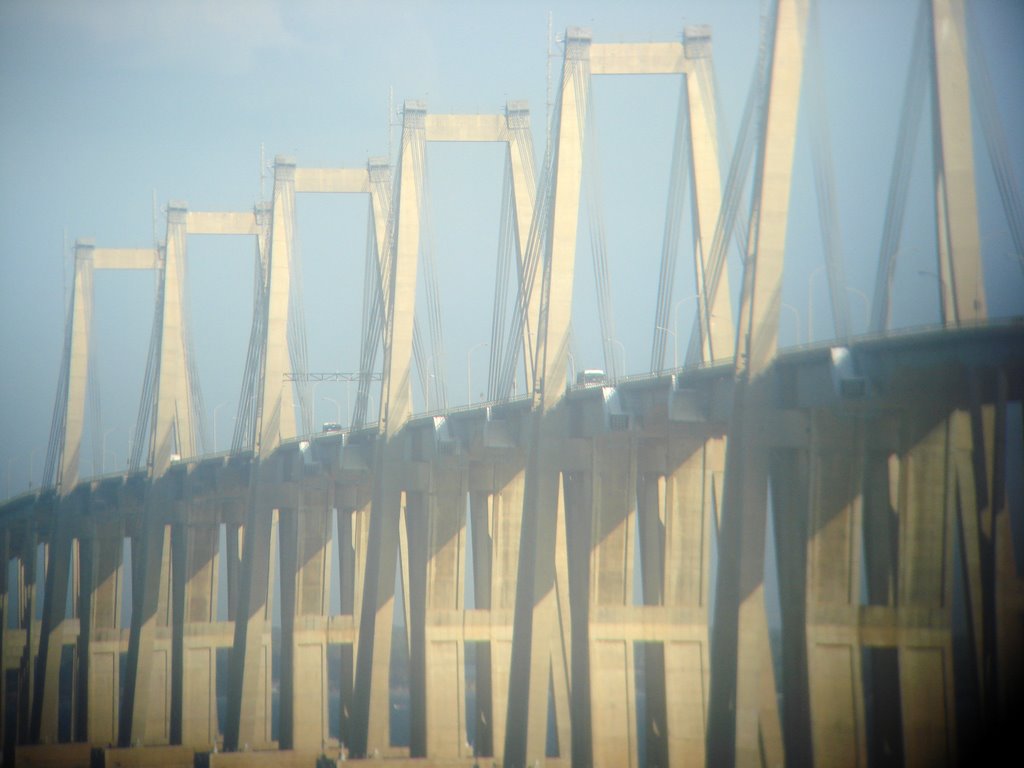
x,y
591,377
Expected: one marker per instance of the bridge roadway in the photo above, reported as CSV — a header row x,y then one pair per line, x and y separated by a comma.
x,y
880,473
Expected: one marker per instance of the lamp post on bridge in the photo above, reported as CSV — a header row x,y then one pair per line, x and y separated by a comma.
x,y
430,384
313,398
337,407
810,301
796,318
623,348
31,466
675,321
103,449
867,305
469,369
215,409
675,345
942,291
675,310
7,478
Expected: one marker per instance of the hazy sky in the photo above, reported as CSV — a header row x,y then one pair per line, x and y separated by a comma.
x,y
105,102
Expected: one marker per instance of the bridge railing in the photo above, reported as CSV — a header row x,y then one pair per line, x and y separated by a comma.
x,y
920,332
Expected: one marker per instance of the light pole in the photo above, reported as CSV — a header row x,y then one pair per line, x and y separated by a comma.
x,y
810,301
31,466
675,310
572,362
7,476
430,385
867,305
215,409
942,291
623,348
103,448
337,407
675,345
313,397
796,317
469,369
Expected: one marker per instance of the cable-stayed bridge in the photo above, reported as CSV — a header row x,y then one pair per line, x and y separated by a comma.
x,y
582,567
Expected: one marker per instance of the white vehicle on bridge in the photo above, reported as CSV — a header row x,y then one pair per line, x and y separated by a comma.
x,y
591,377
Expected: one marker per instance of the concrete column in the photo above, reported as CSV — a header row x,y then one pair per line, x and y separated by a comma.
x,y
971,444
414,553
481,543
248,723
195,567
542,635
380,186
146,706
524,188
172,420
653,731
353,526
691,495
757,335
371,730
99,639
28,589
833,594
45,712
539,635
718,336
305,599
497,522
743,717
400,298
744,726
445,587
371,714
346,577
926,514
277,410
378,172
961,287
233,538
612,663
790,487
77,365
565,211
1009,589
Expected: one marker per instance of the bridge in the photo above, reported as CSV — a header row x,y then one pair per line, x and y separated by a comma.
x,y
754,555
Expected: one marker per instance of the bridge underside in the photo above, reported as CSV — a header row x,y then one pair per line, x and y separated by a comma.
x,y
888,499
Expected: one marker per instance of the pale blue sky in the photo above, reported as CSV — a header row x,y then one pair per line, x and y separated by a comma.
x,y
102,103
